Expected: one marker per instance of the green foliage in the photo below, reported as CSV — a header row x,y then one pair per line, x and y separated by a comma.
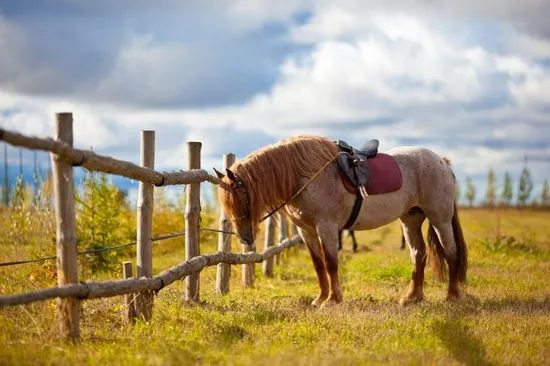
x,y
491,194
470,191
545,194
507,190
525,186
102,221
510,245
21,214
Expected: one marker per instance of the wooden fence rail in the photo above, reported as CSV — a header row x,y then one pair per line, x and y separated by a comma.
x,y
95,162
97,289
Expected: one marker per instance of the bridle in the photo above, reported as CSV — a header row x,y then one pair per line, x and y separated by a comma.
x,y
238,184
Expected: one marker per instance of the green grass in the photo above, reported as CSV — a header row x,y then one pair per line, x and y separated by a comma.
x,y
504,319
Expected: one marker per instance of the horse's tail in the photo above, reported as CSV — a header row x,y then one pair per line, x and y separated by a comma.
x,y
461,250
436,253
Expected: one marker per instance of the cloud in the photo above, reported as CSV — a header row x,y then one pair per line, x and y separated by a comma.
x,y
190,54
468,79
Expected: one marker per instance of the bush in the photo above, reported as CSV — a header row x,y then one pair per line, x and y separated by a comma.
x,y
103,220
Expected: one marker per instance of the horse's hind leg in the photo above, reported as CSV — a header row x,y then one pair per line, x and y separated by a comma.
x,y
411,224
314,247
444,232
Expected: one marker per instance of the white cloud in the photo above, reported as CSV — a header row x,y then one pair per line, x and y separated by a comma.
x,y
359,72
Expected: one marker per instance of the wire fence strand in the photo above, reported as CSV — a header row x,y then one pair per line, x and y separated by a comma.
x,y
93,251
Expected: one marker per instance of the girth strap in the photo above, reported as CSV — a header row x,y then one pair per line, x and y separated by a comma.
x,y
354,211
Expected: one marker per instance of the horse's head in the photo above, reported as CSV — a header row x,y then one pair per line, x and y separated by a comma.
x,y
235,199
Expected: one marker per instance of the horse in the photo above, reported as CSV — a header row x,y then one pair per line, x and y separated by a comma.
x,y
300,174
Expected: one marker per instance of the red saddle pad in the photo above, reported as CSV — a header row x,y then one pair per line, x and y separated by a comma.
x,y
384,175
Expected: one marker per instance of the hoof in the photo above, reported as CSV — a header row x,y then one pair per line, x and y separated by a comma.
x,y
411,300
333,300
319,301
453,297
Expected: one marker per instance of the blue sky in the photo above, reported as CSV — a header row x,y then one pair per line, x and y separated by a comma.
x,y
469,79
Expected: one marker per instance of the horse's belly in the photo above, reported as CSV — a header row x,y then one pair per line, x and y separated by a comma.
x,y
379,210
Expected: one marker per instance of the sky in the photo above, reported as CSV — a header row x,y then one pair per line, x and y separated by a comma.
x,y
468,79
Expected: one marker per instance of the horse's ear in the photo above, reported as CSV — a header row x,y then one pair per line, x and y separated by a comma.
x,y
231,175
219,174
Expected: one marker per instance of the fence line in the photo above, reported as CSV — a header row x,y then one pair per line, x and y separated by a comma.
x,y
69,292
92,161
97,289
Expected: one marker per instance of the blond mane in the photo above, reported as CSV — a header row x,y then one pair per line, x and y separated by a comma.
x,y
272,174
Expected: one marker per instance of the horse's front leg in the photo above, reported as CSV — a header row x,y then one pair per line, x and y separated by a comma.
x,y
314,247
328,236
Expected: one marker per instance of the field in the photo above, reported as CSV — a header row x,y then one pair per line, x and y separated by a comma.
x,y
504,319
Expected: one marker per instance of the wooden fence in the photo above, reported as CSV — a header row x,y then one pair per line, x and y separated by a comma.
x,y
70,291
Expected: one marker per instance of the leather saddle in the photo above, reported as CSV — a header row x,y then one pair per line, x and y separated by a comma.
x,y
354,163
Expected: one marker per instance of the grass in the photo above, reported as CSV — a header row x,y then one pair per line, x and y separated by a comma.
x,y
504,319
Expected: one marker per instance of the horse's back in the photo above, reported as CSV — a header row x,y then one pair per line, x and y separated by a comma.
x,y
428,173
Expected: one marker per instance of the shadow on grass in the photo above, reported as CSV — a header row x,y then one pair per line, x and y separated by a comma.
x,y
518,305
463,346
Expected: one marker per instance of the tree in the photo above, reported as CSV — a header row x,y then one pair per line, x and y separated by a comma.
x,y
470,191
490,196
545,194
457,191
525,185
507,191
100,220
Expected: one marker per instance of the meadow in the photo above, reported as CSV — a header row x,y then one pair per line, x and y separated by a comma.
x,y
503,319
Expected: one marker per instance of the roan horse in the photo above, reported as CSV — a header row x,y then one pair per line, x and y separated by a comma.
x,y
267,178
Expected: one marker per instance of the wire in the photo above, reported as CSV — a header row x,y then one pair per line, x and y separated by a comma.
x,y
93,251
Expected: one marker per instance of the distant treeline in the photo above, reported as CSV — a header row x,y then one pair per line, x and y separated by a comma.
x,y
507,193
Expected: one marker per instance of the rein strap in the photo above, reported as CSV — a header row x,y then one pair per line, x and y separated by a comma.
x,y
301,189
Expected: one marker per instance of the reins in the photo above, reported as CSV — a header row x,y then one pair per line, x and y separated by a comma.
x,y
301,189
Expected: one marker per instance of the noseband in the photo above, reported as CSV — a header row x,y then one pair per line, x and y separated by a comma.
x,y
238,184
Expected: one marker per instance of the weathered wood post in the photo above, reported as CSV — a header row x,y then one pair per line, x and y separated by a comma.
x,y
65,217
293,230
248,270
223,273
192,217
6,178
130,310
283,234
269,241
144,252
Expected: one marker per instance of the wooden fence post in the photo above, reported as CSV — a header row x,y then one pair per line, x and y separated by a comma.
x,y
223,273
6,177
130,313
269,241
144,252
248,270
192,225
65,217
283,234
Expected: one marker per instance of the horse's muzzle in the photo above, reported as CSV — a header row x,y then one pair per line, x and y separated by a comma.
x,y
248,247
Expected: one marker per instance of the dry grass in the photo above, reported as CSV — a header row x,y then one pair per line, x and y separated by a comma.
x,y
503,320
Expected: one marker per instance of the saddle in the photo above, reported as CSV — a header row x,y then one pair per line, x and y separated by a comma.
x,y
353,163
366,171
